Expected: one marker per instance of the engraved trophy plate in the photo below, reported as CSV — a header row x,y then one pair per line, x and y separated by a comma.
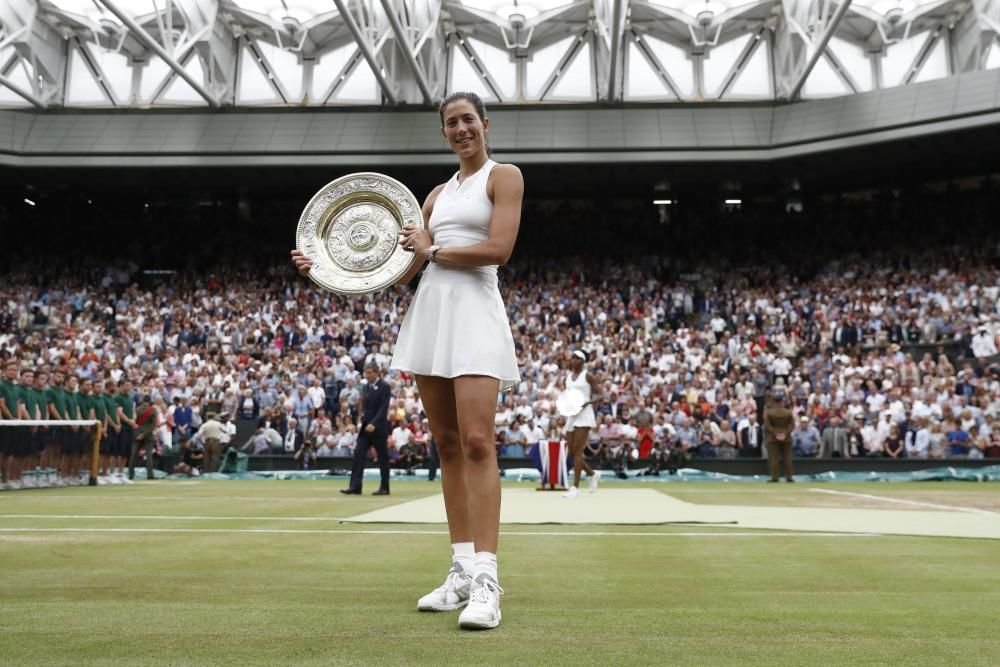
x,y
350,231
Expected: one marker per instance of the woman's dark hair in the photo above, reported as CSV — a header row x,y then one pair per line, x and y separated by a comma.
x,y
477,103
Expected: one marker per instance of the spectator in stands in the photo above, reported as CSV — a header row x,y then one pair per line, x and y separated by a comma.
x,y
708,439
293,438
302,408
726,448
183,417
984,343
805,439
265,441
957,441
410,458
305,455
327,442
835,441
249,407
894,447
401,435
750,436
346,441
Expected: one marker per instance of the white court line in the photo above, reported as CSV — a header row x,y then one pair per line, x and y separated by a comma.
x,y
901,501
38,494
423,532
161,517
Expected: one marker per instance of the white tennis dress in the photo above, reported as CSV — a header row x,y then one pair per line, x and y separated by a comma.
x,y
584,418
457,324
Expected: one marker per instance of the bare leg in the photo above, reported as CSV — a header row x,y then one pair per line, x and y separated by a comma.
x,y
438,396
476,402
578,442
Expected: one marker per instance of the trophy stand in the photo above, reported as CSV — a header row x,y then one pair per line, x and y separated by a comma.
x,y
554,474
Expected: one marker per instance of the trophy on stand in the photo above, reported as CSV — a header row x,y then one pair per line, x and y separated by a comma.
x,y
350,230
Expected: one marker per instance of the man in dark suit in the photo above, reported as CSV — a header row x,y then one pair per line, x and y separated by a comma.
x,y
373,432
292,438
750,437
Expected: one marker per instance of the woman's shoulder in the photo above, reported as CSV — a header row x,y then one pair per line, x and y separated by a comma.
x,y
504,168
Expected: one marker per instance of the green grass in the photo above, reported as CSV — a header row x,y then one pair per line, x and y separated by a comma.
x,y
340,597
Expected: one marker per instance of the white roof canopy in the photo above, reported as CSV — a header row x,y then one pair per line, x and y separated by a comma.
x,y
146,53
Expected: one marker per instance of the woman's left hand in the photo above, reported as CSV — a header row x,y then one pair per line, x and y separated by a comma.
x,y
416,240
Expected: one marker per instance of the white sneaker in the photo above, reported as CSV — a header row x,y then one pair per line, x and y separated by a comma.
x,y
28,483
483,610
452,594
592,484
15,484
102,480
573,492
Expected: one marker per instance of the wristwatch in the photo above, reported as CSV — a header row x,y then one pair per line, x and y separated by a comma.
x,y
432,252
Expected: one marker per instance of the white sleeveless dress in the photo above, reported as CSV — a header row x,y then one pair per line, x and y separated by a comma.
x,y
456,323
585,418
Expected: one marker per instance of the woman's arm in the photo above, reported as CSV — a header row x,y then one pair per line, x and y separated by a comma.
x,y
596,393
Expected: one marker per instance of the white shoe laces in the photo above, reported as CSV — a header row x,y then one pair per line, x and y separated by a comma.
x,y
452,582
484,591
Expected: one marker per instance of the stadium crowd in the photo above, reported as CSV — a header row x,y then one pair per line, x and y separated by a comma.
x,y
881,354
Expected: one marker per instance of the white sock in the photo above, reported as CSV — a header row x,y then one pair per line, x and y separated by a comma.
x,y
464,553
486,563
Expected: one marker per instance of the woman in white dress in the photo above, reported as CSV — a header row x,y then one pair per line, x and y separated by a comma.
x,y
577,429
456,340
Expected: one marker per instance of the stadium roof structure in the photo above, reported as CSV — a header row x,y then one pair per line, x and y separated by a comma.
x,y
389,53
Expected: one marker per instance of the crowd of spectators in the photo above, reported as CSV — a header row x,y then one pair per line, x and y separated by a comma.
x,y
881,353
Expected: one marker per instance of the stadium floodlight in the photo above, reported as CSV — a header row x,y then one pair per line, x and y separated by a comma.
x,y
663,202
734,202
28,202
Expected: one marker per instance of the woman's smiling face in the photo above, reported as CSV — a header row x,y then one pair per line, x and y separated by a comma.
x,y
462,127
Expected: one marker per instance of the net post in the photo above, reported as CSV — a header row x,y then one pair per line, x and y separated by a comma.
x,y
95,455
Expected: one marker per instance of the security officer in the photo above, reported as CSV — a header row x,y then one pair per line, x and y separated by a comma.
x,y
778,426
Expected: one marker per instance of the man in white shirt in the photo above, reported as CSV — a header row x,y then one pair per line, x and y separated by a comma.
x,y
919,447
533,432
524,409
781,367
983,344
228,433
870,436
718,325
317,394
744,388
875,402
401,436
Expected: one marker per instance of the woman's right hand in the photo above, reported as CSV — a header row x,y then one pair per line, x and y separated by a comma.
x,y
302,263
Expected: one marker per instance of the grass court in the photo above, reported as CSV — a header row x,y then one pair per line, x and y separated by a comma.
x,y
246,573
